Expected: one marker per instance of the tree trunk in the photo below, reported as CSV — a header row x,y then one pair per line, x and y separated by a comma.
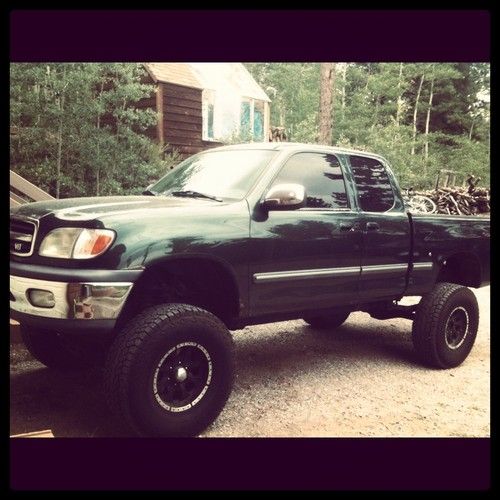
x,y
344,83
375,115
369,74
399,108
99,144
59,137
471,128
327,81
427,123
59,153
415,111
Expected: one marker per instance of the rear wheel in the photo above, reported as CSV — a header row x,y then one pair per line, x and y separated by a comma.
x,y
60,352
332,320
170,371
445,325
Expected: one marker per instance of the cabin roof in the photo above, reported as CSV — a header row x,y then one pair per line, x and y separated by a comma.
x,y
214,76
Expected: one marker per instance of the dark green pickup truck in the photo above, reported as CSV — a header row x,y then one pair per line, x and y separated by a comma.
x,y
151,285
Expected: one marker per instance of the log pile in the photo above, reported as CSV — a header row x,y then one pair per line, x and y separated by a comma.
x,y
470,200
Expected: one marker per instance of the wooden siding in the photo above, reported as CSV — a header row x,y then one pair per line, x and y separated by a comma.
x,y
151,102
182,119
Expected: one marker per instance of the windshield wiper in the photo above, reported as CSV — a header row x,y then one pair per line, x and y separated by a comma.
x,y
194,194
148,192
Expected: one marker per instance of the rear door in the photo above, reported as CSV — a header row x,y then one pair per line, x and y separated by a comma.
x,y
307,258
386,231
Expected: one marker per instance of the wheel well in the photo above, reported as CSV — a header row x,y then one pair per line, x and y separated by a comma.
x,y
462,269
200,282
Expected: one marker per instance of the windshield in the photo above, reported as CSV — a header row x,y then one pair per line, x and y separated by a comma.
x,y
222,174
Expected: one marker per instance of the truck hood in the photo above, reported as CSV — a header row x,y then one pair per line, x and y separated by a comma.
x,y
84,209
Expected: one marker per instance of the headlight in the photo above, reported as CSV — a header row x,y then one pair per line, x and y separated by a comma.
x,y
76,243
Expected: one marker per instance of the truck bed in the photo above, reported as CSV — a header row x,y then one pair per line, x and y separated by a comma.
x,y
438,237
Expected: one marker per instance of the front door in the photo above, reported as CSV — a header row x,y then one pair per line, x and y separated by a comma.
x,y
308,258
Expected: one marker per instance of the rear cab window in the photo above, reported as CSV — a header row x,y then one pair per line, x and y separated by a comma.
x,y
374,189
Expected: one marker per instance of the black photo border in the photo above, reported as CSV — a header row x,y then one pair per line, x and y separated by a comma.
x,y
380,35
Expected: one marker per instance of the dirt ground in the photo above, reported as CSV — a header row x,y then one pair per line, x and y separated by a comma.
x,y
361,380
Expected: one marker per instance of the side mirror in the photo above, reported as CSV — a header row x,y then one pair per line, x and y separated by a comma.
x,y
285,197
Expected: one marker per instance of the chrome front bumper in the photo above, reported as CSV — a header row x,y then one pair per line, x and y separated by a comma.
x,y
81,300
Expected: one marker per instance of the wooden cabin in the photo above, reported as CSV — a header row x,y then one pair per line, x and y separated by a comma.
x,y
203,105
199,106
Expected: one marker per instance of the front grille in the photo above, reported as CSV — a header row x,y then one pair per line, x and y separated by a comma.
x,y
22,236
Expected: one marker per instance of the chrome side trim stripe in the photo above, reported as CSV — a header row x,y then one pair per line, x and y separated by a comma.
x,y
384,268
337,272
306,274
423,266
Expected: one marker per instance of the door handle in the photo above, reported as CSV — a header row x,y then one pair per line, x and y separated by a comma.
x,y
347,226
372,226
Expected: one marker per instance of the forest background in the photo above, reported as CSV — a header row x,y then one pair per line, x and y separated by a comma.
x,y
423,117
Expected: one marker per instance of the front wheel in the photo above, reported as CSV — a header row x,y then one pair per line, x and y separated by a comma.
x,y
170,371
445,326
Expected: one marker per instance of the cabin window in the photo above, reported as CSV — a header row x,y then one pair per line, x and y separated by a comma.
x,y
258,121
208,98
252,119
245,119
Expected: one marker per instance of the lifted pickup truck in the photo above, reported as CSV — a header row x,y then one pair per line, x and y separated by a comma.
x,y
238,235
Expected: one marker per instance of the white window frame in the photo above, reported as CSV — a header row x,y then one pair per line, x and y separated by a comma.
x,y
207,97
252,102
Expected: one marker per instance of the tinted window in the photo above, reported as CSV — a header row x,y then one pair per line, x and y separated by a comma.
x,y
321,176
374,189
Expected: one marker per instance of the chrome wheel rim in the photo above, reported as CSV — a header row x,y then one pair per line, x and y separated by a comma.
x,y
182,377
457,328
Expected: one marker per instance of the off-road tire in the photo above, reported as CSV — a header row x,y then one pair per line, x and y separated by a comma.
x,y
431,324
142,348
59,352
327,321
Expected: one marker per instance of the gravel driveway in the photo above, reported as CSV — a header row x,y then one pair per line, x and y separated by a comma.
x,y
361,380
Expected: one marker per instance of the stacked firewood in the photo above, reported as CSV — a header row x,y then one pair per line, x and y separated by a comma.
x,y
470,200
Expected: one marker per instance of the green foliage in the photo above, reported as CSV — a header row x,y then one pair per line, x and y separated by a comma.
x,y
77,129
294,91
239,137
374,107
468,157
